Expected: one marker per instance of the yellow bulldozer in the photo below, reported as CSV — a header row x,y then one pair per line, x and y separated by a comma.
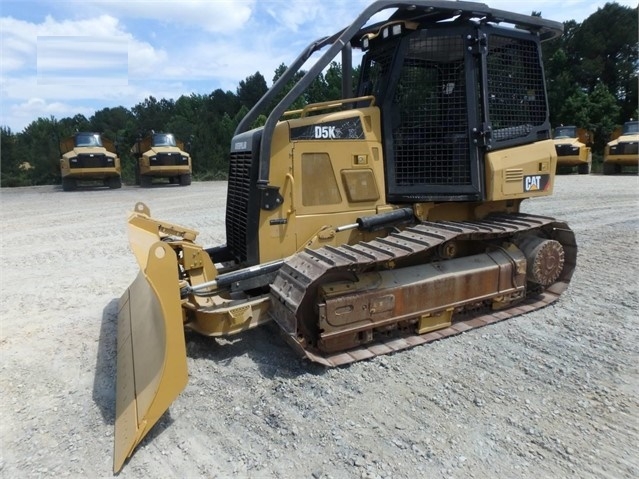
x,y
574,148
160,155
89,157
623,149
379,221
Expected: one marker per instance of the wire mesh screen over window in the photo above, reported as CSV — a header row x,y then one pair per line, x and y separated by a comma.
x,y
430,122
516,99
377,69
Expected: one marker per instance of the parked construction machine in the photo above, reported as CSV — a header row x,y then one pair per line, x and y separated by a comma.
x,y
89,157
573,147
368,224
160,155
622,149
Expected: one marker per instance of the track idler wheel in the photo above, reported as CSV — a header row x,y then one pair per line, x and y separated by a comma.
x,y
544,258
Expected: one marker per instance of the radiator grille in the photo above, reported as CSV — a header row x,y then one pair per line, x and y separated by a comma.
x,y
624,148
237,204
430,129
93,160
168,159
565,150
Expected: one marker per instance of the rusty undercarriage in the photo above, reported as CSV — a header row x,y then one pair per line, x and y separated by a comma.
x,y
342,304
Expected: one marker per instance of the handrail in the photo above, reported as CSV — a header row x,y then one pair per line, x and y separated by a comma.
x,y
324,105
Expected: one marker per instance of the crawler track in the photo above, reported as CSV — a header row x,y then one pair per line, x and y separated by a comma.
x,y
295,288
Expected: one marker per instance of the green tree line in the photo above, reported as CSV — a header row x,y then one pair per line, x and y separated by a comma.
x,y
591,73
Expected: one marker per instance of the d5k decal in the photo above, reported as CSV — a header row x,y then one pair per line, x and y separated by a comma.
x,y
345,129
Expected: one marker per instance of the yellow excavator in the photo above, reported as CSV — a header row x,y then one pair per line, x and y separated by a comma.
x,y
362,226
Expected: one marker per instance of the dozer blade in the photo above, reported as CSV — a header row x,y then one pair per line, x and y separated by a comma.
x,y
151,351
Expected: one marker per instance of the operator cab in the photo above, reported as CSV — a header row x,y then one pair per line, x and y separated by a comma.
x,y
163,139
447,93
562,132
631,128
88,140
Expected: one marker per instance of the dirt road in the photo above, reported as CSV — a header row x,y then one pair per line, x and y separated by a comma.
x,y
554,393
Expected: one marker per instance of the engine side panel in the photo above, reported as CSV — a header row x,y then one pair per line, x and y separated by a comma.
x,y
329,170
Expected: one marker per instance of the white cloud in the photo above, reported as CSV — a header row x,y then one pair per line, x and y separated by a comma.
x,y
144,59
71,70
19,41
218,16
234,61
33,108
315,19
293,18
27,32
97,60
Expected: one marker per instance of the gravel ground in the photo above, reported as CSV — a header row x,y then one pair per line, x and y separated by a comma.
x,y
553,393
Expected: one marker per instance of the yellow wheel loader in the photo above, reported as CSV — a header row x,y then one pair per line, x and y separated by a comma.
x,y
573,147
368,224
623,149
89,157
160,155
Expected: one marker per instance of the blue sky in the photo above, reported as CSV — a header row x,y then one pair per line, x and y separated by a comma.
x,y
64,57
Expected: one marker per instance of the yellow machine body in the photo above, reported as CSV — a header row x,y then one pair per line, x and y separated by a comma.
x,y
165,159
622,150
330,233
573,148
345,181
93,160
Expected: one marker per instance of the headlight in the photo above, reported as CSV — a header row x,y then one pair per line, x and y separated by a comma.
x,y
73,160
153,158
185,158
